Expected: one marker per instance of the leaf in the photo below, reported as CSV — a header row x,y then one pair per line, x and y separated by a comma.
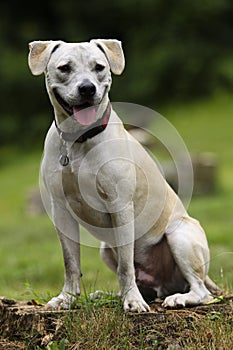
x,y
36,302
215,300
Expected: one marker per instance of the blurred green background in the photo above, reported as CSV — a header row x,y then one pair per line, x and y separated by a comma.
x,y
175,50
179,61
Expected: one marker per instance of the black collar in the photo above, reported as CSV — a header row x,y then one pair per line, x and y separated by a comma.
x,y
93,130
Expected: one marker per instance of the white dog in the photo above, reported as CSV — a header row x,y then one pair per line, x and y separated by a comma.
x,y
99,176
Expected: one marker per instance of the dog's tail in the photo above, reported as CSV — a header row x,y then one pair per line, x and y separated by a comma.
x,y
212,287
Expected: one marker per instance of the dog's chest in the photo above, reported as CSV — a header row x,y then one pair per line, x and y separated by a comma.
x,y
80,191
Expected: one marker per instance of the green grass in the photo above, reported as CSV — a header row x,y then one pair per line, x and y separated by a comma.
x,y
30,251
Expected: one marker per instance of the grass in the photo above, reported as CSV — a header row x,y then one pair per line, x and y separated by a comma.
x,y
30,255
101,324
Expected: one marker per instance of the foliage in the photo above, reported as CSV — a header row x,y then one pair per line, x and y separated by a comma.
x,y
174,50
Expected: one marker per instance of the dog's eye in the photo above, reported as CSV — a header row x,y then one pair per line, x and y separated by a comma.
x,y
65,68
99,67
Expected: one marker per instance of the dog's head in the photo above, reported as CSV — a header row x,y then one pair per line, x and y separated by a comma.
x,y
78,75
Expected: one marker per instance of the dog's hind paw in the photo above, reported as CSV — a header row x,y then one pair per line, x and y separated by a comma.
x,y
98,294
175,301
181,300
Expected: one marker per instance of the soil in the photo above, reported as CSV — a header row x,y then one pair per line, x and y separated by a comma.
x,y
24,323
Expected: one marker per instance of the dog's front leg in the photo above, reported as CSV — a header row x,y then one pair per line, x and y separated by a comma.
x,y
123,223
68,231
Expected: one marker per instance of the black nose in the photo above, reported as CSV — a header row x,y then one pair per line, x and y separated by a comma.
x,y
87,89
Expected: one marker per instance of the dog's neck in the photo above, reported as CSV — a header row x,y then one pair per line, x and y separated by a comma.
x,y
91,131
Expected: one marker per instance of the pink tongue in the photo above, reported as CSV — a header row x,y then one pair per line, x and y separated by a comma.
x,y
86,116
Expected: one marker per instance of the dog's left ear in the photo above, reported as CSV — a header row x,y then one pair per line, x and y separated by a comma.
x,y
114,53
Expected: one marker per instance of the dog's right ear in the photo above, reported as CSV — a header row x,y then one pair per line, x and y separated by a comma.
x,y
40,53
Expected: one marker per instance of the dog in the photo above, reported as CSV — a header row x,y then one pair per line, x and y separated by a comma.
x,y
97,175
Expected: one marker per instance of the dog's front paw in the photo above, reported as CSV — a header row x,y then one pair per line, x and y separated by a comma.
x,y
62,301
135,303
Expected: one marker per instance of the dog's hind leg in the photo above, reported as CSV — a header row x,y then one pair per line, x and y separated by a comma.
x,y
68,231
109,256
189,247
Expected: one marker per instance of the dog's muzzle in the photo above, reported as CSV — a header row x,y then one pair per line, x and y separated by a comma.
x,y
85,111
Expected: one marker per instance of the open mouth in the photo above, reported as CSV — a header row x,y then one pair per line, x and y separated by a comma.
x,y
84,114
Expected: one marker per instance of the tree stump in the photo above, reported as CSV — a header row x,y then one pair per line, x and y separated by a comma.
x,y
23,320
26,325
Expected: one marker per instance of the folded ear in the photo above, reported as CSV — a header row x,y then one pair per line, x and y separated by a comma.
x,y
114,53
39,55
